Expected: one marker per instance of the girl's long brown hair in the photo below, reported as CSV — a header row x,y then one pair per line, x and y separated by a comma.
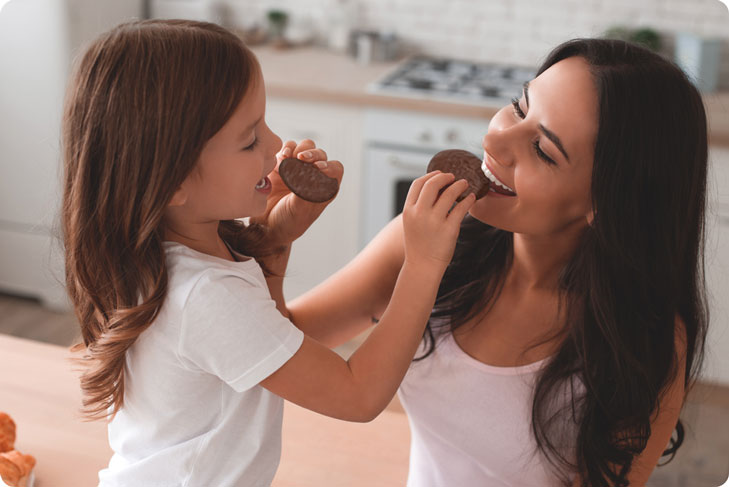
x,y
142,102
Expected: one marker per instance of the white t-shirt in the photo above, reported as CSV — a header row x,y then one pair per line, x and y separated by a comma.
x,y
194,414
470,422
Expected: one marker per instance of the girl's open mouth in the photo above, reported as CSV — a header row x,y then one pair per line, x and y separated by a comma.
x,y
496,186
264,185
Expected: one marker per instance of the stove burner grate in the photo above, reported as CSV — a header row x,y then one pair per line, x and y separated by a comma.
x,y
454,80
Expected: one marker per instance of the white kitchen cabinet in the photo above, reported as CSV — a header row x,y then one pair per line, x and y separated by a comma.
x,y
716,368
332,240
38,40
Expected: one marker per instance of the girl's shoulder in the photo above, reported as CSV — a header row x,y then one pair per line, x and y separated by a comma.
x,y
181,259
195,277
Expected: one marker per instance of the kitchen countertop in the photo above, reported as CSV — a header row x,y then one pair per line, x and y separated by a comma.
x,y
317,75
40,391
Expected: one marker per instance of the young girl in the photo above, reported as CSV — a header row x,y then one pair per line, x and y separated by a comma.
x,y
571,321
165,146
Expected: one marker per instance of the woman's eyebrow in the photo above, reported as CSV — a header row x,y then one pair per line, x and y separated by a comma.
x,y
553,137
548,133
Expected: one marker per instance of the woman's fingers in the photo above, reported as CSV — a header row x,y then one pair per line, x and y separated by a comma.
x,y
287,150
306,150
333,169
303,145
312,155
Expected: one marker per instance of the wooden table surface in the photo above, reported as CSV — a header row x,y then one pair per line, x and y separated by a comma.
x,y
39,390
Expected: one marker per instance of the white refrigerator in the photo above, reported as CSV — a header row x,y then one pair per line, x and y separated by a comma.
x,y
38,42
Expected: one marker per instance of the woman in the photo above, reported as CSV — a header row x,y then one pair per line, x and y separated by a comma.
x,y
571,321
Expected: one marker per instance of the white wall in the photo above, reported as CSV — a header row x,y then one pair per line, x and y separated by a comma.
x,y
38,40
517,31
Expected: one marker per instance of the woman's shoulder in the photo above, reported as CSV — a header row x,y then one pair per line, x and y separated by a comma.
x,y
680,341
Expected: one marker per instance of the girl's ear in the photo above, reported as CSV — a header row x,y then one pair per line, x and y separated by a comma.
x,y
179,198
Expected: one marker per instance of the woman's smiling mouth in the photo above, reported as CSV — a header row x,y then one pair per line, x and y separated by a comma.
x,y
497,186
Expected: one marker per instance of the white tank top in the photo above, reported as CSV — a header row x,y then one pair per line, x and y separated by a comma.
x,y
470,422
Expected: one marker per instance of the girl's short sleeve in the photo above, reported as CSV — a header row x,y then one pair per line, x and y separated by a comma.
x,y
231,328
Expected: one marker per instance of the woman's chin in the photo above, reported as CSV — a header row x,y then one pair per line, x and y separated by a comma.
x,y
492,218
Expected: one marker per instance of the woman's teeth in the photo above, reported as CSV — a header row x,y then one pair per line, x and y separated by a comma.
x,y
493,179
261,184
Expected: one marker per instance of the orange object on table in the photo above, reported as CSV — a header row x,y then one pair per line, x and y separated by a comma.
x,y
15,467
7,432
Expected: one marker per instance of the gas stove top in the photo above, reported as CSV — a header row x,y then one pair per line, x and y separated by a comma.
x,y
453,80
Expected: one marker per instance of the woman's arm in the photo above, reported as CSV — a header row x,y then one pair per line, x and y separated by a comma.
x,y
664,422
277,263
360,388
345,304
287,216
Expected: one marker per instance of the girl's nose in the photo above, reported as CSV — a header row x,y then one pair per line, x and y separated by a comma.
x,y
273,139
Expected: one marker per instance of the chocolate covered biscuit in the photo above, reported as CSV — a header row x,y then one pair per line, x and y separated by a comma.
x,y
307,181
463,165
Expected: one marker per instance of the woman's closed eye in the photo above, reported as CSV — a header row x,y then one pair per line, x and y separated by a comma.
x,y
540,153
517,109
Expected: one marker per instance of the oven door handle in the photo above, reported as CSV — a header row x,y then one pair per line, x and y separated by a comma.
x,y
398,163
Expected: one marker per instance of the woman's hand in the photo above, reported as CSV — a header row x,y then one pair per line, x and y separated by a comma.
x,y
431,222
287,216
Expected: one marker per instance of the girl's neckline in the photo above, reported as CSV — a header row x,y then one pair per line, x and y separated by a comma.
x,y
239,258
450,342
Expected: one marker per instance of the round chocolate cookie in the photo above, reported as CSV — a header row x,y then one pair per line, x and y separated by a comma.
x,y
307,181
463,165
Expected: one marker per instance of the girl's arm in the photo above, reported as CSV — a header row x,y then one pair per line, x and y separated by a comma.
x,y
345,304
360,388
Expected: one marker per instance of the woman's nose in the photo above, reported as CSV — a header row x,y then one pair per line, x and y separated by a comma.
x,y
499,146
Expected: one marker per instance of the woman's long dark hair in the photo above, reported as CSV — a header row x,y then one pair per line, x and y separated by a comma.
x,y
638,268
144,99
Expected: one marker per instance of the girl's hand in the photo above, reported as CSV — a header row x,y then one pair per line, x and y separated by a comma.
x,y
430,221
287,216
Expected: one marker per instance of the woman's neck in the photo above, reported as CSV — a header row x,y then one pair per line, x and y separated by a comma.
x,y
539,260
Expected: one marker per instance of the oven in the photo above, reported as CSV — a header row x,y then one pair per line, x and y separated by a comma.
x,y
398,146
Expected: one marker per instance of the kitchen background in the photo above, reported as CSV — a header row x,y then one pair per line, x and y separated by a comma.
x,y
381,85
512,31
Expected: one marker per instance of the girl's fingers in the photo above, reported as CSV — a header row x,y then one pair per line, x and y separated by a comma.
x,y
433,187
448,196
460,209
417,186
